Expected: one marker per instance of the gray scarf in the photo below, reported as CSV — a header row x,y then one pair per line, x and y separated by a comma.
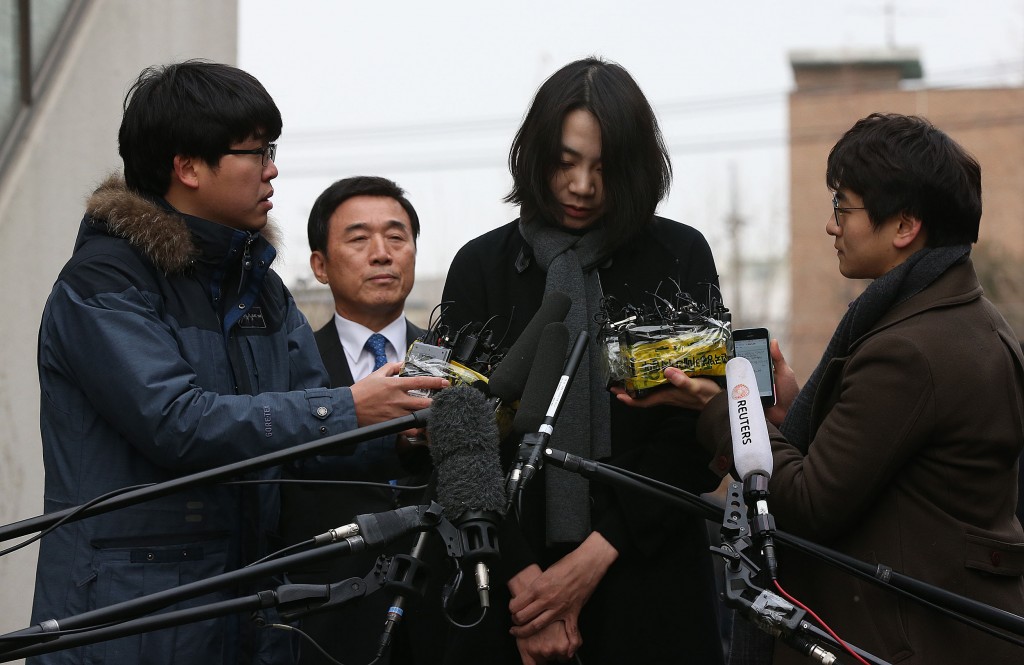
x,y
584,424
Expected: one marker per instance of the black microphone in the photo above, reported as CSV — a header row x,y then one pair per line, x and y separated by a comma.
x,y
751,450
509,378
545,373
533,444
379,528
464,449
542,380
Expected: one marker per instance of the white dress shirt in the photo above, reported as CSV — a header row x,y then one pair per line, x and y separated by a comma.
x,y
353,338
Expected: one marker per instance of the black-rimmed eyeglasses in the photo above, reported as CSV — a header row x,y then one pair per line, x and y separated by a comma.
x,y
840,210
267,153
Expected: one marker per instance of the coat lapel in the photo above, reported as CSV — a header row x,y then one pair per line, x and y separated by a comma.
x,y
333,355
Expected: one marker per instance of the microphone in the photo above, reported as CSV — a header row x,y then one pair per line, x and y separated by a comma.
x,y
751,450
543,378
458,415
508,381
547,426
381,528
464,449
546,377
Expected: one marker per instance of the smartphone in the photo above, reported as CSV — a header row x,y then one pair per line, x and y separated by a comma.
x,y
752,344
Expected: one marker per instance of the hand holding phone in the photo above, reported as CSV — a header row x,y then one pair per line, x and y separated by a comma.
x,y
753,344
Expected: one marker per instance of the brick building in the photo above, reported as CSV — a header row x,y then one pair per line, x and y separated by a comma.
x,y
835,89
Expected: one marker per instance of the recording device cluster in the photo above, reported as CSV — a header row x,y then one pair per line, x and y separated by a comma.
x,y
641,340
464,356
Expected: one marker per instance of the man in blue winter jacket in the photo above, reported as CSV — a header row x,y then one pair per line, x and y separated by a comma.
x,y
168,345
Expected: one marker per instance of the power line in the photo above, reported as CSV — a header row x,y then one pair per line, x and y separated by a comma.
x,y
362,148
484,159
508,123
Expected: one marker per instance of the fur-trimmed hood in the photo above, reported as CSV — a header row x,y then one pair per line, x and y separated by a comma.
x,y
159,233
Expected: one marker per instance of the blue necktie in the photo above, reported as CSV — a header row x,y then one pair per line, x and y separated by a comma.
x,y
375,345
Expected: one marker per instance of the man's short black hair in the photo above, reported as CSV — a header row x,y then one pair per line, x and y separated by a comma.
x,y
194,108
636,168
904,164
320,215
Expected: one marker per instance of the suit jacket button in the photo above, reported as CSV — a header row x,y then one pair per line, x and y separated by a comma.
x,y
997,558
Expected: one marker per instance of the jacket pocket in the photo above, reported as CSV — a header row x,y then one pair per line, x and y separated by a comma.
x,y
993,556
124,572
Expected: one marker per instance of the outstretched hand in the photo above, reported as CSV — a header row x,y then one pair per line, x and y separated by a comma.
x,y
383,395
683,391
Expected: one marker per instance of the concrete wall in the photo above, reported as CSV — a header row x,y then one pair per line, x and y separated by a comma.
x,y
70,145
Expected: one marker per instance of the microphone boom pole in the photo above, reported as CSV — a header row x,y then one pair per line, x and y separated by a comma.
x,y
880,575
371,530
414,420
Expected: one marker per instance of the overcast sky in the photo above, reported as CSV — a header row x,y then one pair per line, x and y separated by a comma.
x,y
430,94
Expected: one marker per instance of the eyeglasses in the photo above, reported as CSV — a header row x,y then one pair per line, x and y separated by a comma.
x,y
839,210
267,154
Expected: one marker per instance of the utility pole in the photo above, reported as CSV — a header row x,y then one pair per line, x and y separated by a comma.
x,y
734,225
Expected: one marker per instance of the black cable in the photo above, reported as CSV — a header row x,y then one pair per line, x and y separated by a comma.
x,y
70,515
309,638
344,483
788,540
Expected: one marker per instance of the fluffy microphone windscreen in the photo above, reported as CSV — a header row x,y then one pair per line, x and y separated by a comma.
x,y
543,379
464,448
508,380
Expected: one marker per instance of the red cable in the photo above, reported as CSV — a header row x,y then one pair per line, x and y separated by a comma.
x,y
822,623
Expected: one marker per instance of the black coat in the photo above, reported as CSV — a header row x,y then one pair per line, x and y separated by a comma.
x,y
663,552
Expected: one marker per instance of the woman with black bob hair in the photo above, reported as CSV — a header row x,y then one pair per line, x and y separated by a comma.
x,y
586,564
635,165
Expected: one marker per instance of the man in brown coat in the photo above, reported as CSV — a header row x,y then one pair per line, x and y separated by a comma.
x,y
902,447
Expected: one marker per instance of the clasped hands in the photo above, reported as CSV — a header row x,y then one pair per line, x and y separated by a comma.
x,y
546,605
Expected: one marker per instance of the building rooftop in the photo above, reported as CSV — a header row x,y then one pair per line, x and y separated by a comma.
x,y
906,60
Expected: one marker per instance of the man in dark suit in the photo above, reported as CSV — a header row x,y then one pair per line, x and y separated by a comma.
x,y
362,235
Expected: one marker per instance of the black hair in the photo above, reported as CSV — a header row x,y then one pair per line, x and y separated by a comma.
x,y
636,168
193,108
342,190
904,164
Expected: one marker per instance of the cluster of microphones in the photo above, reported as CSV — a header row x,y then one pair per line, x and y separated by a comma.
x,y
472,490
